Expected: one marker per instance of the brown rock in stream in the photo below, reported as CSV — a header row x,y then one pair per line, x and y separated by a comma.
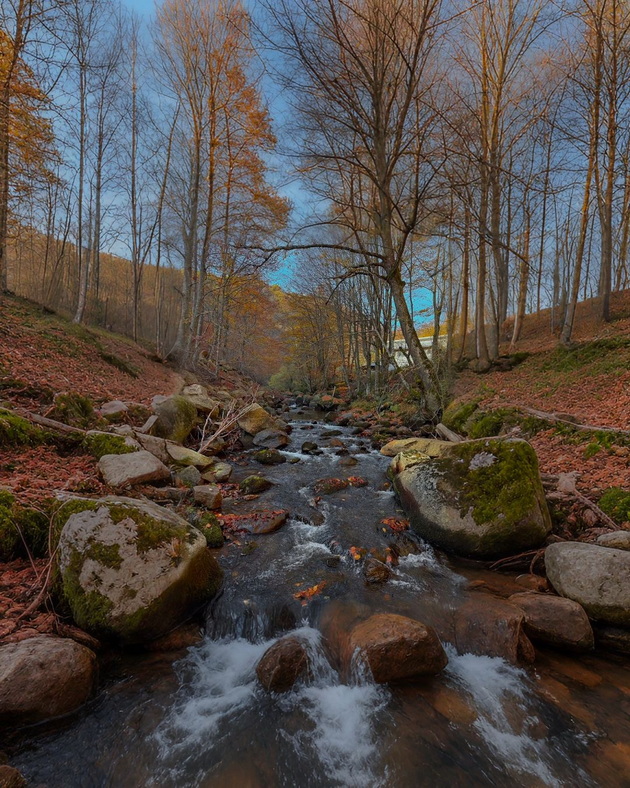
x,y
396,647
11,778
489,626
282,664
555,620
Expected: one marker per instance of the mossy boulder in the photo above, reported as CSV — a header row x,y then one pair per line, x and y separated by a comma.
x,y
253,485
269,457
131,570
482,499
176,418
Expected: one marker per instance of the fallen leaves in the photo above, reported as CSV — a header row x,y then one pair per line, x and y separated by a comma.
x,y
309,593
397,524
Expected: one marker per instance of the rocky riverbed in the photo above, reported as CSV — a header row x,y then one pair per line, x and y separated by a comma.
x,y
343,649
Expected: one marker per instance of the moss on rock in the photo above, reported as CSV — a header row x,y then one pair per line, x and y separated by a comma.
x,y
480,498
131,570
177,417
253,485
457,414
101,443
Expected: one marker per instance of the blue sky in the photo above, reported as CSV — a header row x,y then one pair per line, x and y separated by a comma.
x,y
141,6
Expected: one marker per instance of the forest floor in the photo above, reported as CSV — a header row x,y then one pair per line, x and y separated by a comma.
x,y
589,383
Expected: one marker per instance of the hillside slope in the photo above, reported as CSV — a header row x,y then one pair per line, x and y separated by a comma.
x,y
588,383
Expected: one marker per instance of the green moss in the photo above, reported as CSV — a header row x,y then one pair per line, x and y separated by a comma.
x,y
177,417
214,536
75,409
503,496
119,363
105,554
615,502
486,425
100,444
23,530
16,431
457,414
602,356
253,485
509,486
90,610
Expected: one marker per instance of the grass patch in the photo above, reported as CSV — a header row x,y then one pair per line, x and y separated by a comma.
x,y
615,502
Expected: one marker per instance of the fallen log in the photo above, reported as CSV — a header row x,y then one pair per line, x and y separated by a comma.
x,y
446,434
42,421
555,418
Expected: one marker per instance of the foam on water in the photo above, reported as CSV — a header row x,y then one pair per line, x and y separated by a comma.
x,y
221,686
496,686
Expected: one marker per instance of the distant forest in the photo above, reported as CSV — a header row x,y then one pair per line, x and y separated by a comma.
x,y
405,160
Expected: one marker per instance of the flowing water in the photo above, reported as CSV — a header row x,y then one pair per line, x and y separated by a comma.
x,y
205,721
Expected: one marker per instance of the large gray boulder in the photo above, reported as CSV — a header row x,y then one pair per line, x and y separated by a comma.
x,y
482,498
44,677
596,577
131,570
176,418
119,470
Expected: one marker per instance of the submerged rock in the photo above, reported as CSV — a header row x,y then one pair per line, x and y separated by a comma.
x,y
376,571
11,778
44,677
597,577
131,570
554,620
482,499
395,647
282,664
119,470
259,521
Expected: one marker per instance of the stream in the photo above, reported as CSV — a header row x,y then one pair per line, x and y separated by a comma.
x,y
205,721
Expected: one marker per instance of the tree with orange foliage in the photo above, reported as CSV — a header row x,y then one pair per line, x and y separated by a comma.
x,y
218,195
26,138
